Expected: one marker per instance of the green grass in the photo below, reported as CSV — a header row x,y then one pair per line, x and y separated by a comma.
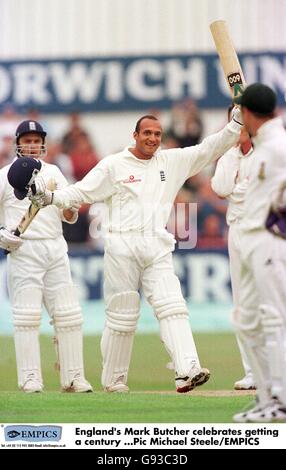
x,y
218,352
54,407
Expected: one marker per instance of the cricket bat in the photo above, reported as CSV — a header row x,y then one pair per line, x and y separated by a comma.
x,y
31,213
228,58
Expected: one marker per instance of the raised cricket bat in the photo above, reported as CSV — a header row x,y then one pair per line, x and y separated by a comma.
x,y
228,58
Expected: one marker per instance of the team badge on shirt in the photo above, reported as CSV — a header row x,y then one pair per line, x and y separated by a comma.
x,y
261,173
162,175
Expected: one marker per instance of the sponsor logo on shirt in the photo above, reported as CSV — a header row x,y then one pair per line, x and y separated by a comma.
x,y
132,179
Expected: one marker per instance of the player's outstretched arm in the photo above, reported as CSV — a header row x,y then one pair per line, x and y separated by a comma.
x,y
97,185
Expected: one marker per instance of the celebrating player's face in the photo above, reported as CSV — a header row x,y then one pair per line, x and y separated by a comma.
x,y
148,139
31,145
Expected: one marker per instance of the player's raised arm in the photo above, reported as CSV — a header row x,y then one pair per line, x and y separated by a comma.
x,y
189,161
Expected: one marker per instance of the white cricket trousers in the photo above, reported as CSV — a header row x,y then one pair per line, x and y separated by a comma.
x,y
135,261
234,252
261,315
41,264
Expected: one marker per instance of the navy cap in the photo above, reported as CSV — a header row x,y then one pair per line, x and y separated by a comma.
x,y
258,98
25,127
20,175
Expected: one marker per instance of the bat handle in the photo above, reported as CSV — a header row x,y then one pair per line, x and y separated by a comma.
x,y
17,233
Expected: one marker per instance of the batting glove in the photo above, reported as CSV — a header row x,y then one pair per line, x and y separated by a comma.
x,y
75,207
9,241
39,195
236,115
42,200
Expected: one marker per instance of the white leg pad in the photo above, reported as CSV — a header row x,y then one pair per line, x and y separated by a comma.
x,y
122,314
274,331
171,310
68,327
26,318
250,333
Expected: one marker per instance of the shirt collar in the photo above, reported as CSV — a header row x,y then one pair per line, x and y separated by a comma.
x,y
268,126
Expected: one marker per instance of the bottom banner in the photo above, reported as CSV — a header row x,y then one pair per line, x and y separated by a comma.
x,y
128,437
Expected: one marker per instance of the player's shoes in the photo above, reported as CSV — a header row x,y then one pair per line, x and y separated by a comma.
x,y
273,412
78,385
32,385
197,376
243,416
117,388
247,383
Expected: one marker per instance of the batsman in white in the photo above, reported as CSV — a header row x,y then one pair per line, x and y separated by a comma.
x,y
39,272
260,318
139,186
230,181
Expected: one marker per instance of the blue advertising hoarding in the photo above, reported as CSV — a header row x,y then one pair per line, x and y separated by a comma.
x,y
130,83
204,277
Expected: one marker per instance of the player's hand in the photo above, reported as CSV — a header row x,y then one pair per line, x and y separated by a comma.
x,y
43,199
39,195
39,186
9,241
236,115
75,207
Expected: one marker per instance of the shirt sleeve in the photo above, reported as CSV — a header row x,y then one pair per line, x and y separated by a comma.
x,y
223,181
62,183
189,161
97,185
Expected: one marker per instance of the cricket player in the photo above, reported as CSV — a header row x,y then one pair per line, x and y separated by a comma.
x,y
261,315
38,269
230,181
139,186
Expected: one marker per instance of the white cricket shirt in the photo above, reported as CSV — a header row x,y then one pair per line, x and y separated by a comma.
x,y
231,179
47,223
140,193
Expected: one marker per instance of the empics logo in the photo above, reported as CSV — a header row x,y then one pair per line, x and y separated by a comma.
x,y
32,433
13,434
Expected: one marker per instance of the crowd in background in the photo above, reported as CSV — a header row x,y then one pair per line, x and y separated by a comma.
x,y
75,153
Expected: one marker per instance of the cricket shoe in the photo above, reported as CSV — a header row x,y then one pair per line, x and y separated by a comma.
x,y
118,385
197,376
32,385
78,385
247,383
117,388
243,416
273,412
